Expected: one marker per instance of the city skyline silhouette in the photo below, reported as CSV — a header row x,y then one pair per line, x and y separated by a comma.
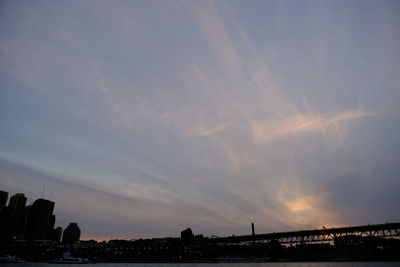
x,y
29,233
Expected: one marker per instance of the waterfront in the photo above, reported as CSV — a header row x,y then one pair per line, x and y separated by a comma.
x,y
279,264
199,133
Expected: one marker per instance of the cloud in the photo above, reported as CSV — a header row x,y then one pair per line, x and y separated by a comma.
x,y
327,125
301,204
311,209
170,109
206,17
97,206
81,145
210,131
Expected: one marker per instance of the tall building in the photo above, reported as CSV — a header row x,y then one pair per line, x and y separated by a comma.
x,y
187,235
3,198
4,216
57,233
40,220
72,233
4,225
16,217
26,214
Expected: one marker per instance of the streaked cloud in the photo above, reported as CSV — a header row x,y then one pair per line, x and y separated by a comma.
x,y
328,125
210,131
202,114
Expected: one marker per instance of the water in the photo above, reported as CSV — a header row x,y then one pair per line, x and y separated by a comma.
x,y
268,264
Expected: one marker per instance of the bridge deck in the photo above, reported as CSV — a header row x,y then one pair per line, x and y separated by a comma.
x,y
378,230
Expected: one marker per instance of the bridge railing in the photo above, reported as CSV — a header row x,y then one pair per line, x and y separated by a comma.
x,y
318,235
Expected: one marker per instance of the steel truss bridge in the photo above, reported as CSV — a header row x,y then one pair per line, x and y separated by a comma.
x,y
318,235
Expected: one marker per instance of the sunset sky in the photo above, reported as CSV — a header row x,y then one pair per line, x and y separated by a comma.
x,y
143,118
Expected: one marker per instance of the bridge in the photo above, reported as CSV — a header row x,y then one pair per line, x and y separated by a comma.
x,y
318,235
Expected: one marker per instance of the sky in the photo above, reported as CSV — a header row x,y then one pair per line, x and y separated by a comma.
x,y
143,118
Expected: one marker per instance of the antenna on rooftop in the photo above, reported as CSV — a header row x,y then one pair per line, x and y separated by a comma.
x,y
30,197
52,192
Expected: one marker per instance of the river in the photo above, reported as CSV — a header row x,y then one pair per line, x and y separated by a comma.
x,y
268,264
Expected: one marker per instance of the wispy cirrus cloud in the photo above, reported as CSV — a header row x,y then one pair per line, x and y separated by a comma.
x,y
81,145
210,131
198,112
327,125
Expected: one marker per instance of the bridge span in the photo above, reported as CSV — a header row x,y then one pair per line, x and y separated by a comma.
x,y
318,235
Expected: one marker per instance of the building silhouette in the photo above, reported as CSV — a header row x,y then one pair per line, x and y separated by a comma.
x,y
3,198
57,233
187,235
71,234
4,217
33,222
16,208
4,221
40,220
